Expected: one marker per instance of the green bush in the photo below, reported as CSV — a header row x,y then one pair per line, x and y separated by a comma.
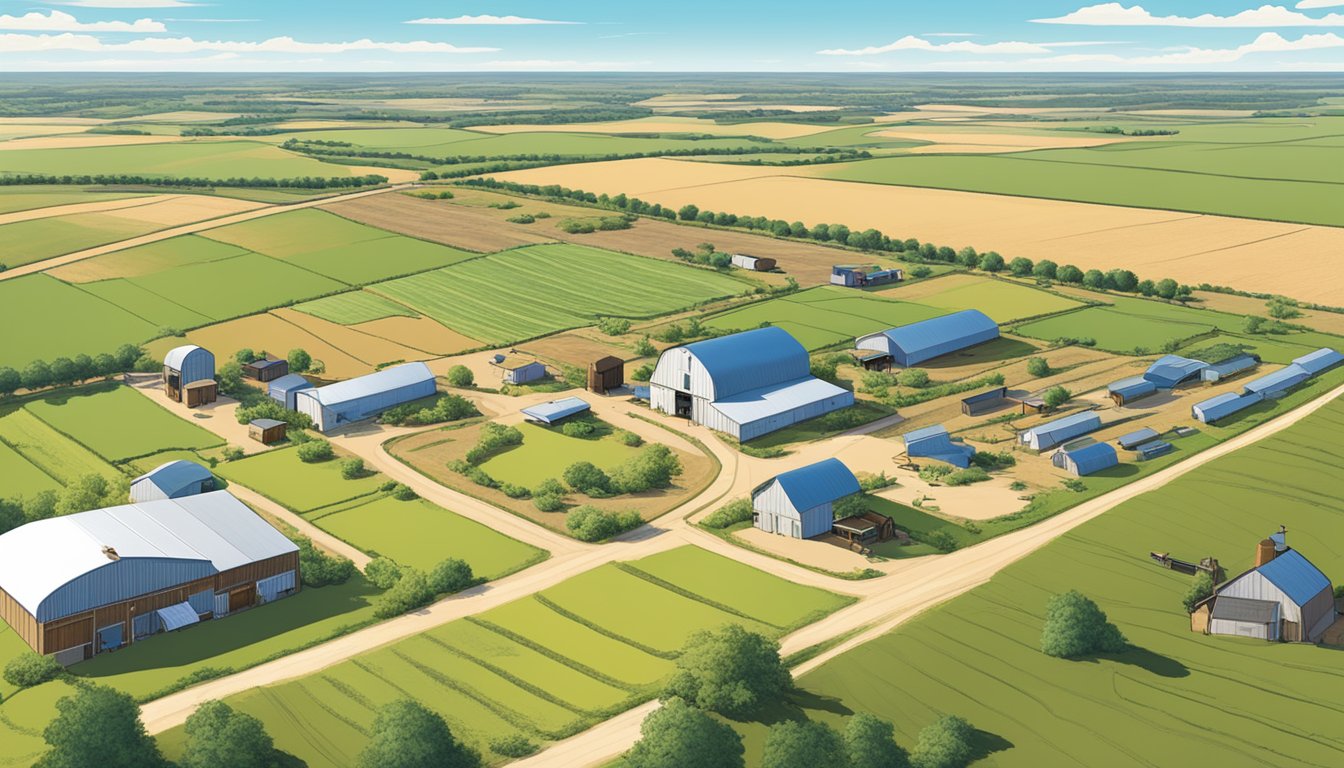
x,y
548,502
629,438
403,492
320,569
446,408
993,460
585,477
382,572
550,485
29,669
653,467
941,540
1056,396
522,218
233,453
732,513
915,378
947,743
514,745
1200,588
642,373
514,491
578,428
644,347
493,439
353,469
411,591
592,524
613,326
967,476
450,576
460,376
1075,626
315,451
1038,367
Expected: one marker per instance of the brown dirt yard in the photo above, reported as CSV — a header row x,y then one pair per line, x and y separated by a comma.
x,y
1188,247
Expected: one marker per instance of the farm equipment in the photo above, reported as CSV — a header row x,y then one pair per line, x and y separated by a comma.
x,y
1208,565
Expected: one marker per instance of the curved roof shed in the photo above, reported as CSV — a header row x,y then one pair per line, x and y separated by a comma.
x,y
192,363
917,342
172,480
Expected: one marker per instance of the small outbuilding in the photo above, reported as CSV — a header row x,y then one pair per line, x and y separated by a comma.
x,y
284,389
1131,440
267,431
868,528
556,411
266,369
1221,406
187,365
1284,597
365,396
1154,449
518,370
984,402
1061,430
1086,459
605,374
935,443
927,339
754,263
1128,390
172,480
798,503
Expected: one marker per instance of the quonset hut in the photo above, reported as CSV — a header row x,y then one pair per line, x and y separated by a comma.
x,y
82,584
798,503
935,443
172,480
365,396
746,384
1085,460
189,375
285,389
1061,430
917,342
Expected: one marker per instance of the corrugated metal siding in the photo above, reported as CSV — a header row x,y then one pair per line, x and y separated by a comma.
x,y
1243,629
917,342
283,389
1052,433
775,513
1255,586
1278,381
1091,459
526,373
192,363
119,581
1320,360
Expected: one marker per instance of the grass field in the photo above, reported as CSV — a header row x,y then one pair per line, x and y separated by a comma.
x,y
23,477
354,307
54,453
448,142
25,198
1177,696
1131,324
25,242
421,535
237,286
544,666
148,259
1003,301
209,159
119,423
280,475
502,298
546,452
820,317
85,323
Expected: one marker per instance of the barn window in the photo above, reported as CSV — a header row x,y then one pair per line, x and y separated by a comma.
x,y
686,381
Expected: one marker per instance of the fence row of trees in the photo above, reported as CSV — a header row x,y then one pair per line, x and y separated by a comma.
x,y
64,371
296,182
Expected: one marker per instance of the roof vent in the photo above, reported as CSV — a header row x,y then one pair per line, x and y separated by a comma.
x,y
1280,540
111,554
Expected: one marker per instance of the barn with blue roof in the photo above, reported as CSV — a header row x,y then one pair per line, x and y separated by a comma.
x,y
1319,361
799,503
285,389
935,443
172,480
917,342
1085,460
745,384
1277,382
556,411
1170,371
1221,406
1284,597
1061,430
1130,389
365,396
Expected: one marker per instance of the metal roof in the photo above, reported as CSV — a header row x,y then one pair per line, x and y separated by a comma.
x,y
1222,406
1137,437
266,423
744,362
1234,364
288,382
1063,428
935,443
1093,458
1169,370
555,410
1245,609
608,363
817,484
212,532
1289,376
930,338
1295,575
177,355
1132,387
266,363
997,393
1320,360
1155,448
175,475
515,363
374,383
754,405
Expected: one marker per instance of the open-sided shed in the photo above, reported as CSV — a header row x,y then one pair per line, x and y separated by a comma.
x,y
984,402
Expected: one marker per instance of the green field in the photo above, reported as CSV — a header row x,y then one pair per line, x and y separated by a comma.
x,y
546,452
162,255
54,453
119,423
26,198
1178,697
1003,301
353,307
160,310
23,477
528,292
1131,324
821,317
237,286
526,667
85,323
281,476
448,142
421,535
209,159
25,242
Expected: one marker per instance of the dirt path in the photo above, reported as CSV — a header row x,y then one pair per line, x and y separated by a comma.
x,y
186,229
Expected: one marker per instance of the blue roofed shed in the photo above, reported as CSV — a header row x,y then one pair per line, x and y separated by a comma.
x,y
1088,459
1130,389
284,389
1319,361
1061,430
798,503
1154,449
1222,406
365,396
1302,592
935,443
1136,438
1229,367
556,410
1169,371
1278,382
917,342
984,402
172,480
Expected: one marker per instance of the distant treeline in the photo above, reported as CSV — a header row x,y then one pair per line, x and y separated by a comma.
x,y
297,182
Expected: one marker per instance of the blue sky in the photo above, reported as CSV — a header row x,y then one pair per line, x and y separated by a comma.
x,y
687,35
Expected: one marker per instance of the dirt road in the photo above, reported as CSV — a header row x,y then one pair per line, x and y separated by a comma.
x,y
187,229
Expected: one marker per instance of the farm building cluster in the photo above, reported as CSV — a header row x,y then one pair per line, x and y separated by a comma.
x,y
1267,387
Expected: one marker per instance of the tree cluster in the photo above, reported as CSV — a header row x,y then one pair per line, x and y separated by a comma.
x,y
91,491
64,371
588,523
1075,626
446,408
297,182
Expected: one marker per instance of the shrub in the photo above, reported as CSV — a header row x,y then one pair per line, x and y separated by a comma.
x,y
578,428
320,569
493,439
1056,396
522,218
644,347
403,492
592,524
730,671
933,473
629,438
1038,367
446,408
514,491
1075,626
732,513
613,326
587,478
1074,484
382,572
460,376
1200,589
233,453
941,540
548,502
947,743
410,592
915,378
514,745
921,271
352,469
315,451
29,669
642,373
550,485
993,460
653,467
451,575
967,476
299,360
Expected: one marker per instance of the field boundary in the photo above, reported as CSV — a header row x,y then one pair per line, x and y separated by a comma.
x,y
559,658
601,630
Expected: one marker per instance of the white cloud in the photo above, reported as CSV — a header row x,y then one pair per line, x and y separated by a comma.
x,y
60,21
912,43
178,45
124,3
1267,42
487,19
1117,15
1305,4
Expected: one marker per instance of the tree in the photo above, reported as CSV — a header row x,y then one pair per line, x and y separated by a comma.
x,y
37,375
84,369
1254,324
730,671
126,356
10,381
244,355
299,360
98,726
870,742
410,592
407,734
688,212
1094,279
947,743
917,378
993,262
588,523
87,492
677,735
320,569
1283,309
1038,367
1075,626
1020,267
229,376
314,451
461,376
29,669
1167,288
218,736
1045,269
1122,280
1056,396
1147,288
585,477
352,469
653,467
382,572
1069,274
450,576
62,371
1200,589
805,744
